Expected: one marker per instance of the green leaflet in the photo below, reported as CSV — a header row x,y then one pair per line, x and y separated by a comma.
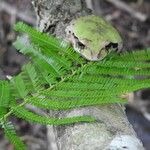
x,y
13,137
35,53
138,55
63,104
124,64
19,87
36,35
25,114
3,111
4,97
46,42
4,94
117,71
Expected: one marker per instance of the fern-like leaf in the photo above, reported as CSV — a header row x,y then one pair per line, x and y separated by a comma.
x,y
27,115
10,133
3,111
18,87
65,104
35,53
58,78
47,42
138,55
4,93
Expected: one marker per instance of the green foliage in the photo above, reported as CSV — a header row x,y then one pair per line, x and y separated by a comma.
x,y
12,136
4,94
57,78
25,114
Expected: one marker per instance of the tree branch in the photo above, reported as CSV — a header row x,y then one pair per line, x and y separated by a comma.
x,y
122,5
14,12
112,131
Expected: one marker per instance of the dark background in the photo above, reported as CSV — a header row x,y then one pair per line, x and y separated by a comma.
x,y
135,33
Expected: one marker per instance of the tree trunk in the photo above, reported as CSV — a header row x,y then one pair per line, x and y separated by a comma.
x,y
112,131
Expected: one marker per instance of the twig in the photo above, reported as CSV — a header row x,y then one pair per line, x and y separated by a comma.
x,y
36,110
120,4
13,11
89,4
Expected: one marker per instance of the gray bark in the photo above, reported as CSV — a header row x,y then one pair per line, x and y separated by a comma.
x,y
112,131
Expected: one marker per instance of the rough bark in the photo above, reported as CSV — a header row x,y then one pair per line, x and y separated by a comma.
x,y
112,131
